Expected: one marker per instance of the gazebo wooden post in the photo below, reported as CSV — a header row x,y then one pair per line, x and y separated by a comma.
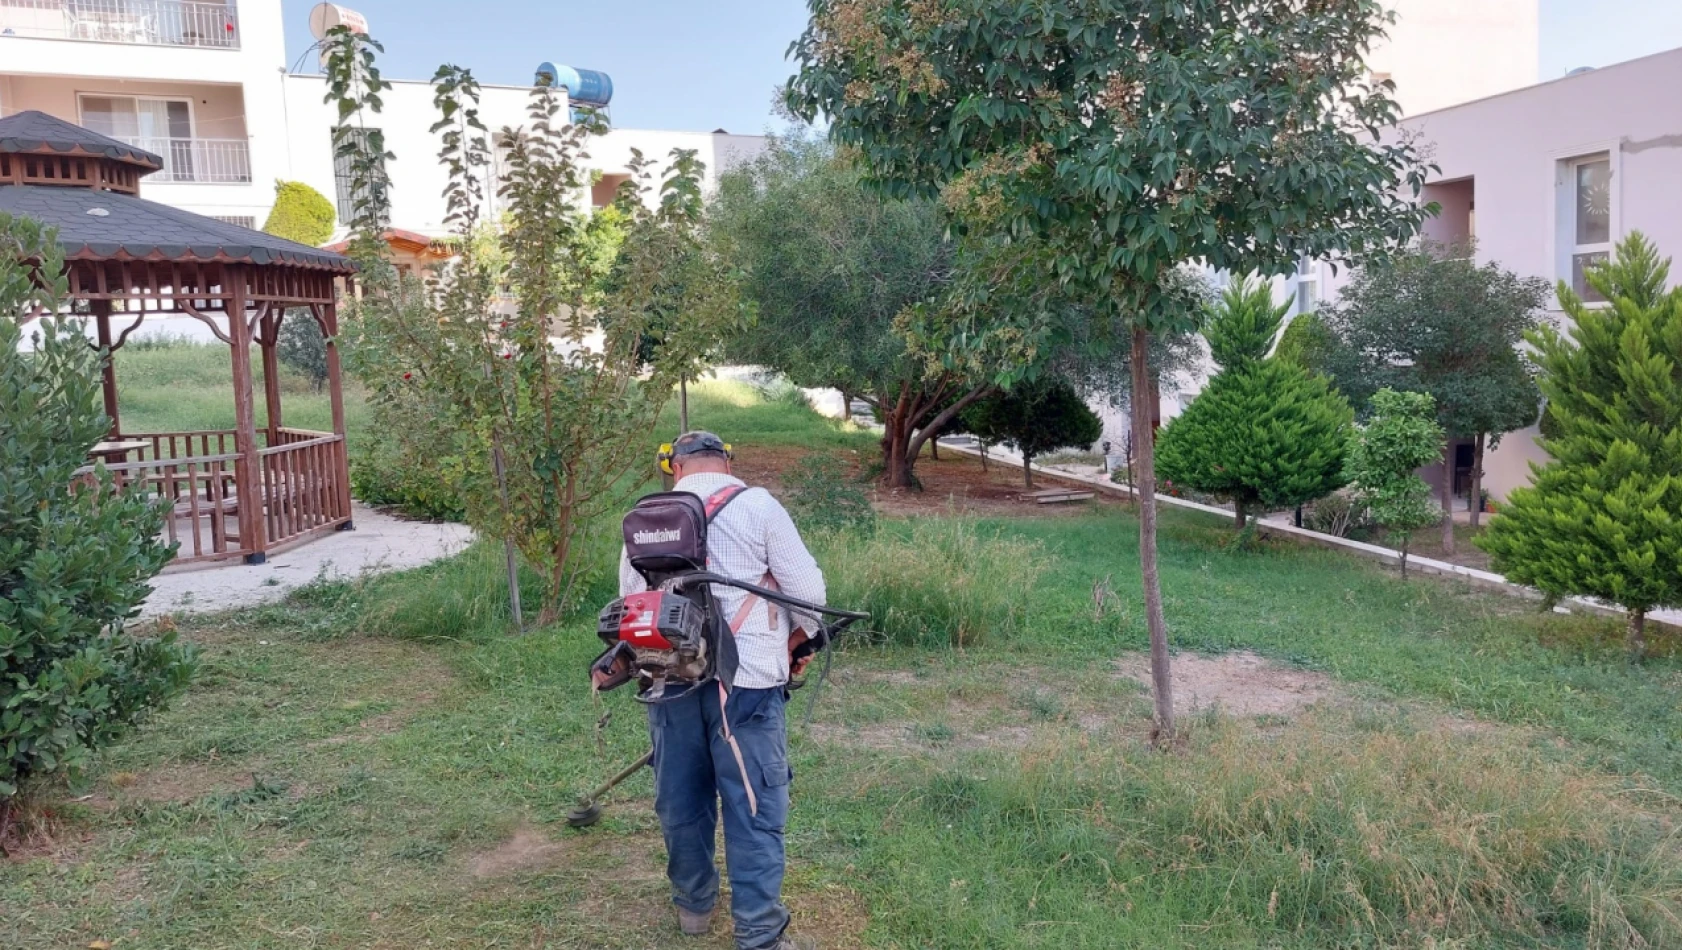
x,y
248,477
336,393
269,340
101,310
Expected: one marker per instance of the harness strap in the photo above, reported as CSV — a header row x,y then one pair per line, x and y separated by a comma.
x,y
736,750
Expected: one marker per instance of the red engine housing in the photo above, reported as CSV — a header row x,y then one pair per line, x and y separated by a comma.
x,y
639,625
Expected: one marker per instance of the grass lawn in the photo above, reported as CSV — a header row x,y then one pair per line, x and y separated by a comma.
x,y
185,386
374,765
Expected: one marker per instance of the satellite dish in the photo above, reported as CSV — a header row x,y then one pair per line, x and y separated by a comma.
x,y
325,16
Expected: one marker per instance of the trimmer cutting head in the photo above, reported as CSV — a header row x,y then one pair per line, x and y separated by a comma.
x,y
584,815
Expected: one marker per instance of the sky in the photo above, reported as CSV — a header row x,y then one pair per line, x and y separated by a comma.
x,y
698,66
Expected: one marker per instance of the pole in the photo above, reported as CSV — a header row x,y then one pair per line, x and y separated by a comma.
x,y
108,366
683,403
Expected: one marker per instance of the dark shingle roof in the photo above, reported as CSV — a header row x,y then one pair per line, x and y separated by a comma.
x,y
37,132
136,229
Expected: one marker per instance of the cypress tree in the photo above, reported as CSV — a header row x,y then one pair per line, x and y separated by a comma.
x,y
1604,518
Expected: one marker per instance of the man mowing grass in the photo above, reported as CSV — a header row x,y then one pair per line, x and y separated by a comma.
x,y
711,746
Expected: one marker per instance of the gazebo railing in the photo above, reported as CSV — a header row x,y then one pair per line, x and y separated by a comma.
x,y
300,487
303,485
199,490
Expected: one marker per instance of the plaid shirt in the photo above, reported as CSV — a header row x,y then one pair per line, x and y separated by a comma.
x,y
751,538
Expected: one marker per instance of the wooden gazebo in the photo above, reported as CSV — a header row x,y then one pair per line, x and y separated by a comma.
x,y
243,492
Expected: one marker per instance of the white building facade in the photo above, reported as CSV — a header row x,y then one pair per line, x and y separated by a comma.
x,y
204,83
1545,181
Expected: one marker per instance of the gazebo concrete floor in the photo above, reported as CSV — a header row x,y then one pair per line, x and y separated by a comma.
x,y
380,543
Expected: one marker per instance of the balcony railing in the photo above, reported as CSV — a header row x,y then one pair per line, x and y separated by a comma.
x,y
144,22
214,161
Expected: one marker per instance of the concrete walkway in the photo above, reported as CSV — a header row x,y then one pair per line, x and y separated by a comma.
x,y
1098,479
379,543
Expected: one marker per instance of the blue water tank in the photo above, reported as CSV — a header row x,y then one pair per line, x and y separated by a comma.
x,y
585,87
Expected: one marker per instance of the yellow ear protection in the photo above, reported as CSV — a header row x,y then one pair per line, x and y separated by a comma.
x,y
668,451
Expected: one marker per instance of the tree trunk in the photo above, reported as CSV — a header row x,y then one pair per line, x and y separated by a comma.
x,y
983,455
511,558
1405,539
683,403
1161,686
1448,495
934,449
1238,514
846,405
896,472
1477,479
1637,635
1027,471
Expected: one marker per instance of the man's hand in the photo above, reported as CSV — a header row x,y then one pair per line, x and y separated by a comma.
x,y
798,666
611,669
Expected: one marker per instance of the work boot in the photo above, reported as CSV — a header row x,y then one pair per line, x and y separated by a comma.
x,y
694,924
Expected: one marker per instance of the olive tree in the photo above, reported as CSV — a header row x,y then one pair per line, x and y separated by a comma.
x,y
1124,138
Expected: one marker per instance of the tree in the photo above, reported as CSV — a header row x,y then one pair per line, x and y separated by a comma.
x,y
1401,435
1267,436
1306,343
1603,518
1122,139
1241,327
76,552
551,430
1431,320
1034,418
301,214
831,269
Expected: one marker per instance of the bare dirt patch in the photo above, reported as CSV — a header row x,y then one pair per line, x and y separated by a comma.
x,y
180,782
953,484
528,849
1240,684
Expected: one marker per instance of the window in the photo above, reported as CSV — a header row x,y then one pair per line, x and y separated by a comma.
x,y
1308,285
1591,221
344,178
139,120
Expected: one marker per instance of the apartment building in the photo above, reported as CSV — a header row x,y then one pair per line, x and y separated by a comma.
x,y
205,84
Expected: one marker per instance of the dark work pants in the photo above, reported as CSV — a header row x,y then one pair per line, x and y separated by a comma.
x,y
695,769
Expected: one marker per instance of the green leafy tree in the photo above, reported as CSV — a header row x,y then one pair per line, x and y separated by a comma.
x,y
1603,518
76,552
833,270
1431,320
1034,418
549,431
301,214
1401,434
1266,436
1112,142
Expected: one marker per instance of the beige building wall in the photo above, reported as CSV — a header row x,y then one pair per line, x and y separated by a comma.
x,y
1444,52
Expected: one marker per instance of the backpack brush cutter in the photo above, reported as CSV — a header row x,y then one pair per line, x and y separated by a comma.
x,y
673,638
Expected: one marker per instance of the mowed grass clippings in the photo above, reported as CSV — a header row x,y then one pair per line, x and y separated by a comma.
x,y
381,765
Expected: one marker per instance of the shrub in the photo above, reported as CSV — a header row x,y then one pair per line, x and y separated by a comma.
x,y
1336,514
1265,436
75,555
820,498
944,582
1034,418
1384,454
300,214
302,347
408,460
1306,343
